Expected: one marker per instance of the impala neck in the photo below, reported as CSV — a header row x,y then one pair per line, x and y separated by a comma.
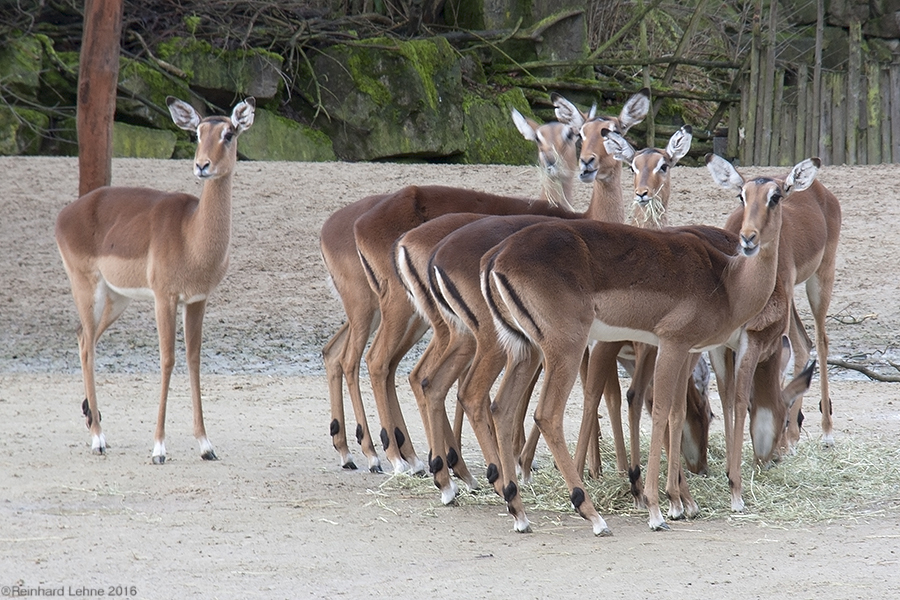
x,y
606,198
753,278
210,228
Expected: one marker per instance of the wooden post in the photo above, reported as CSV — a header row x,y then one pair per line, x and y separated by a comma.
x,y
884,76
776,120
800,143
873,113
98,75
817,80
854,80
838,85
825,106
895,113
766,90
751,138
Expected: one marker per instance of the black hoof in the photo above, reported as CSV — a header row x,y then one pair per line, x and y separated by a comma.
x,y
158,460
376,469
350,465
209,455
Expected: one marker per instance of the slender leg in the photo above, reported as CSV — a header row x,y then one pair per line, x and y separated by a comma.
x,y
193,330
474,397
88,289
670,365
818,289
560,372
165,325
516,379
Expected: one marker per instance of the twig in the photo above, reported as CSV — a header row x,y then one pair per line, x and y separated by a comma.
x,y
837,362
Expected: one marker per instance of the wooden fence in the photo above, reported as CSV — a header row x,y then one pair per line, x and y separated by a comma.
x,y
791,112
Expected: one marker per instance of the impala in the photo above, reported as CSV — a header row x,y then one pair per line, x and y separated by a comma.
x,y
118,244
375,233
811,225
652,188
553,287
344,351
439,264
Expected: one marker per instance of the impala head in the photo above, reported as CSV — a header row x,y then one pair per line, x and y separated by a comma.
x,y
695,432
771,405
761,198
595,161
216,136
557,154
651,168
555,142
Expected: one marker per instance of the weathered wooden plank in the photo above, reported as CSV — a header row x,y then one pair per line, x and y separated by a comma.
x,y
854,81
800,142
777,110
895,112
873,113
837,85
885,77
825,127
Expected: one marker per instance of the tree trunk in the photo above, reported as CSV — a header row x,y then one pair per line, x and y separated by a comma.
x,y
97,78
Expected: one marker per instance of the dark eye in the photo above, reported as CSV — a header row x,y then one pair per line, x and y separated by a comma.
x,y
664,168
229,135
774,199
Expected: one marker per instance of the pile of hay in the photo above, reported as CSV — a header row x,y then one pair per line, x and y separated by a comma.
x,y
857,478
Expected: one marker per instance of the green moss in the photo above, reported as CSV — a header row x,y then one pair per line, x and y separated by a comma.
x,y
130,141
491,136
428,58
362,66
21,130
20,65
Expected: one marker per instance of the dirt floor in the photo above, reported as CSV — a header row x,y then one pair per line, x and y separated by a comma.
x,y
276,517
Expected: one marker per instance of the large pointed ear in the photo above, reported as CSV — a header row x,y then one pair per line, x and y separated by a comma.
x,y
787,352
526,127
802,175
798,386
679,144
242,115
183,114
566,112
635,110
724,173
616,145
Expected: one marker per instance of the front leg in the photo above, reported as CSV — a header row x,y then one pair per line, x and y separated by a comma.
x,y
165,326
193,334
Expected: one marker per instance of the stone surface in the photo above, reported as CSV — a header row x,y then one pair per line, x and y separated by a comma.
x,y
391,99
132,141
277,138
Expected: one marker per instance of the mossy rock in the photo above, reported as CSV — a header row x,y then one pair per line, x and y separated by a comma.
x,y
276,138
59,88
391,99
491,136
21,130
225,76
149,83
20,66
131,141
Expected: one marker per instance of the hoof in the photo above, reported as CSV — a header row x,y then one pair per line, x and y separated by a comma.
x,y
376,469
605,532
158,460
828,440
523,527
661,527
349,465
448,495
101,451
209,455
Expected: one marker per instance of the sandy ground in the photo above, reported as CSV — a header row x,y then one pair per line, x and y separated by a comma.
x,y
276,517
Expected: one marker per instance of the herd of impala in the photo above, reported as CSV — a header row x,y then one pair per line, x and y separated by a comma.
x,y
509,287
